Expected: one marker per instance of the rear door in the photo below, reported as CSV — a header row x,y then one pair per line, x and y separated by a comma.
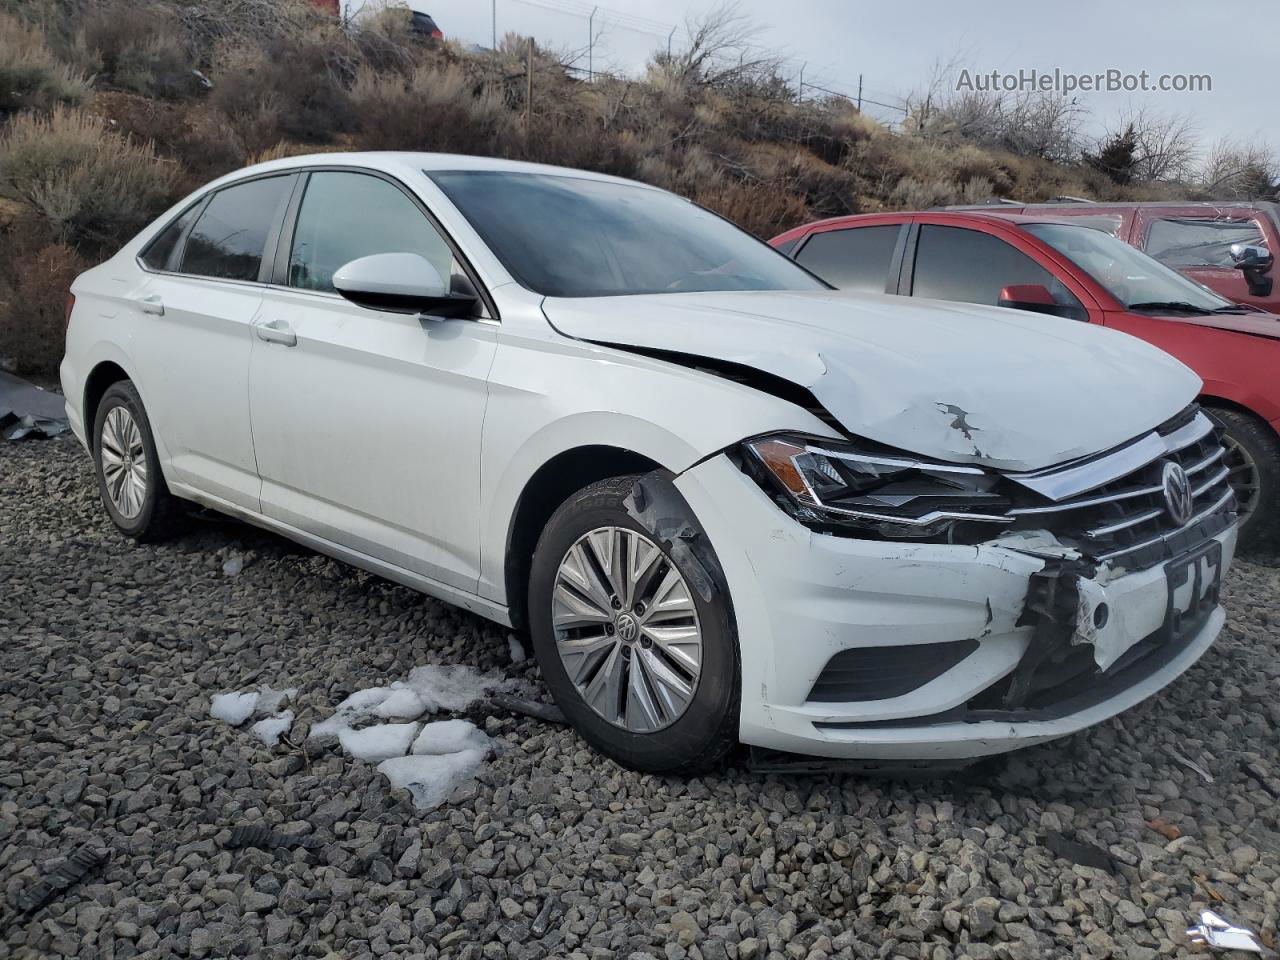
x,y
1197,241
368,425
203,290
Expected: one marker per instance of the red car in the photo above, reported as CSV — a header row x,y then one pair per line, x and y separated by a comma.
x,y
1067,268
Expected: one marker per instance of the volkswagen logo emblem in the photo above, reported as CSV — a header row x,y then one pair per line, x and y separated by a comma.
x,y
1177,493
628,629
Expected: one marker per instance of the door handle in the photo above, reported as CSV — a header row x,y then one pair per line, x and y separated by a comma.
x,y
276,331
151,304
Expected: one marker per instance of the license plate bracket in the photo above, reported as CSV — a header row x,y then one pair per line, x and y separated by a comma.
x,y
1194,580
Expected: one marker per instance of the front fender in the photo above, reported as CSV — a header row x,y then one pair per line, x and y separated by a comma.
x,y
551,397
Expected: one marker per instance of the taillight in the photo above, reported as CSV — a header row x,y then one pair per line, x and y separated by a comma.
x,y
71,305
437,35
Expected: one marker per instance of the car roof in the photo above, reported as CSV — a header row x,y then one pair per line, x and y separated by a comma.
x,y
1122,205
393,161
967,215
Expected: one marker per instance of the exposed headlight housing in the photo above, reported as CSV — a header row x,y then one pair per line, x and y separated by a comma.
x,y
827,483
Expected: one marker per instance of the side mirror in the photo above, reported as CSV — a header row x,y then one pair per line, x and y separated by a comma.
x,y
1034,297
401,283
1254,262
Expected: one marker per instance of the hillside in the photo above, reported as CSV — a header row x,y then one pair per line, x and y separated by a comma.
x,y
112,109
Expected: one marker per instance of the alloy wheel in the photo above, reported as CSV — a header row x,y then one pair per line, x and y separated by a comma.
x,y
124,462
627,629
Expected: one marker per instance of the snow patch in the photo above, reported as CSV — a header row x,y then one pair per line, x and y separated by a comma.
x,y
270,730
379,742
450,736
235,708
518,654
431,778
429,689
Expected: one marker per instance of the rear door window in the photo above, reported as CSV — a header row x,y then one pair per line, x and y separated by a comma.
x,y
856,258
954,263
1200,242
230,238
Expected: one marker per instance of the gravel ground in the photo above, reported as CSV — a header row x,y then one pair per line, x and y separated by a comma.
x,y
110,654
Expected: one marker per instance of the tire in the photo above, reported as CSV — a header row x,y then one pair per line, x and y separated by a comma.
x,y
1253,454
692,733
139,502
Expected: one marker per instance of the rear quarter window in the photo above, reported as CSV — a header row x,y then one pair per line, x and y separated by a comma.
x,y
162,252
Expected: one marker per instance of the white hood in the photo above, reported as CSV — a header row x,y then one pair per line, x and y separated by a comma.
x,y
985,385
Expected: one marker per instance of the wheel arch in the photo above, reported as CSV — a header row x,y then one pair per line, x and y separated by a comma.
x,y
96,384
547,488
1212,400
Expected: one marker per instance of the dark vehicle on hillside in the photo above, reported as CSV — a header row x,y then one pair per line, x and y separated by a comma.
x,y
1068,268
425,26
1228,246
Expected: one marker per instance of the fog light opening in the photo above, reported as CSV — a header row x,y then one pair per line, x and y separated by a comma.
x,y
1101,614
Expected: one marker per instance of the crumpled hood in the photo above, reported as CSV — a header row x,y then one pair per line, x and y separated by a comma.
x,y
984,385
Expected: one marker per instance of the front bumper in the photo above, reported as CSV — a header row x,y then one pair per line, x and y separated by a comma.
x,y
801,597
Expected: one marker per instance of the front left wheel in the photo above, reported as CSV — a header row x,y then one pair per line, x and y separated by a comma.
x,y
129,479
643,665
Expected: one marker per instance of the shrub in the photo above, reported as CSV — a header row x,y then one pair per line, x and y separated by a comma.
x,y
763,209
283,89
90,186
30,76
433,108
143,49
32,309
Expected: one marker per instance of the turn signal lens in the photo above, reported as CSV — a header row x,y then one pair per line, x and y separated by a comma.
x,y
778,456
66,317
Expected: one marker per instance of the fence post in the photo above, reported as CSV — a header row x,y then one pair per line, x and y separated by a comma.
x,y
528,94
670,37
591,45
859,93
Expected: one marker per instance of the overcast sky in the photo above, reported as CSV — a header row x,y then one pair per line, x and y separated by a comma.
x,y
895,46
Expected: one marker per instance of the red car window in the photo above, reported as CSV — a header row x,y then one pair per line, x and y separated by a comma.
x,y
953,263
1200,242
857,258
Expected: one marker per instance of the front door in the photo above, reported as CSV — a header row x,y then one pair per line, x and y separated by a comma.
x,y
367,425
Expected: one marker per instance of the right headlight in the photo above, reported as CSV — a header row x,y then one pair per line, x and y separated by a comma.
x,y
822,482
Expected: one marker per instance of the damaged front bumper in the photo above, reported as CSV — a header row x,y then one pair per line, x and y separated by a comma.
x,y
885,650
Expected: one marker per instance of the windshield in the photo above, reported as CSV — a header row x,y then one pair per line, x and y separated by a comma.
x,y
565,236
1129,275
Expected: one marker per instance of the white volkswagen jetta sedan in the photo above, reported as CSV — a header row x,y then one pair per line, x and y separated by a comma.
x,y
729,503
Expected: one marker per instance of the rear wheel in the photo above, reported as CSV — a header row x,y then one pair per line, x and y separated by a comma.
x,y
1253,458
644,667
129,479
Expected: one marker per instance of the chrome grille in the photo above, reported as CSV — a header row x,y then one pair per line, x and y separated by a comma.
x,y
1113,507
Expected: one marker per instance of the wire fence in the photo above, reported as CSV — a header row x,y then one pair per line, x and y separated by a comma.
x,y
806,81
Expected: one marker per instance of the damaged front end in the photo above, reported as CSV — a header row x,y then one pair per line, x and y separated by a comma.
x,y
1122,555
